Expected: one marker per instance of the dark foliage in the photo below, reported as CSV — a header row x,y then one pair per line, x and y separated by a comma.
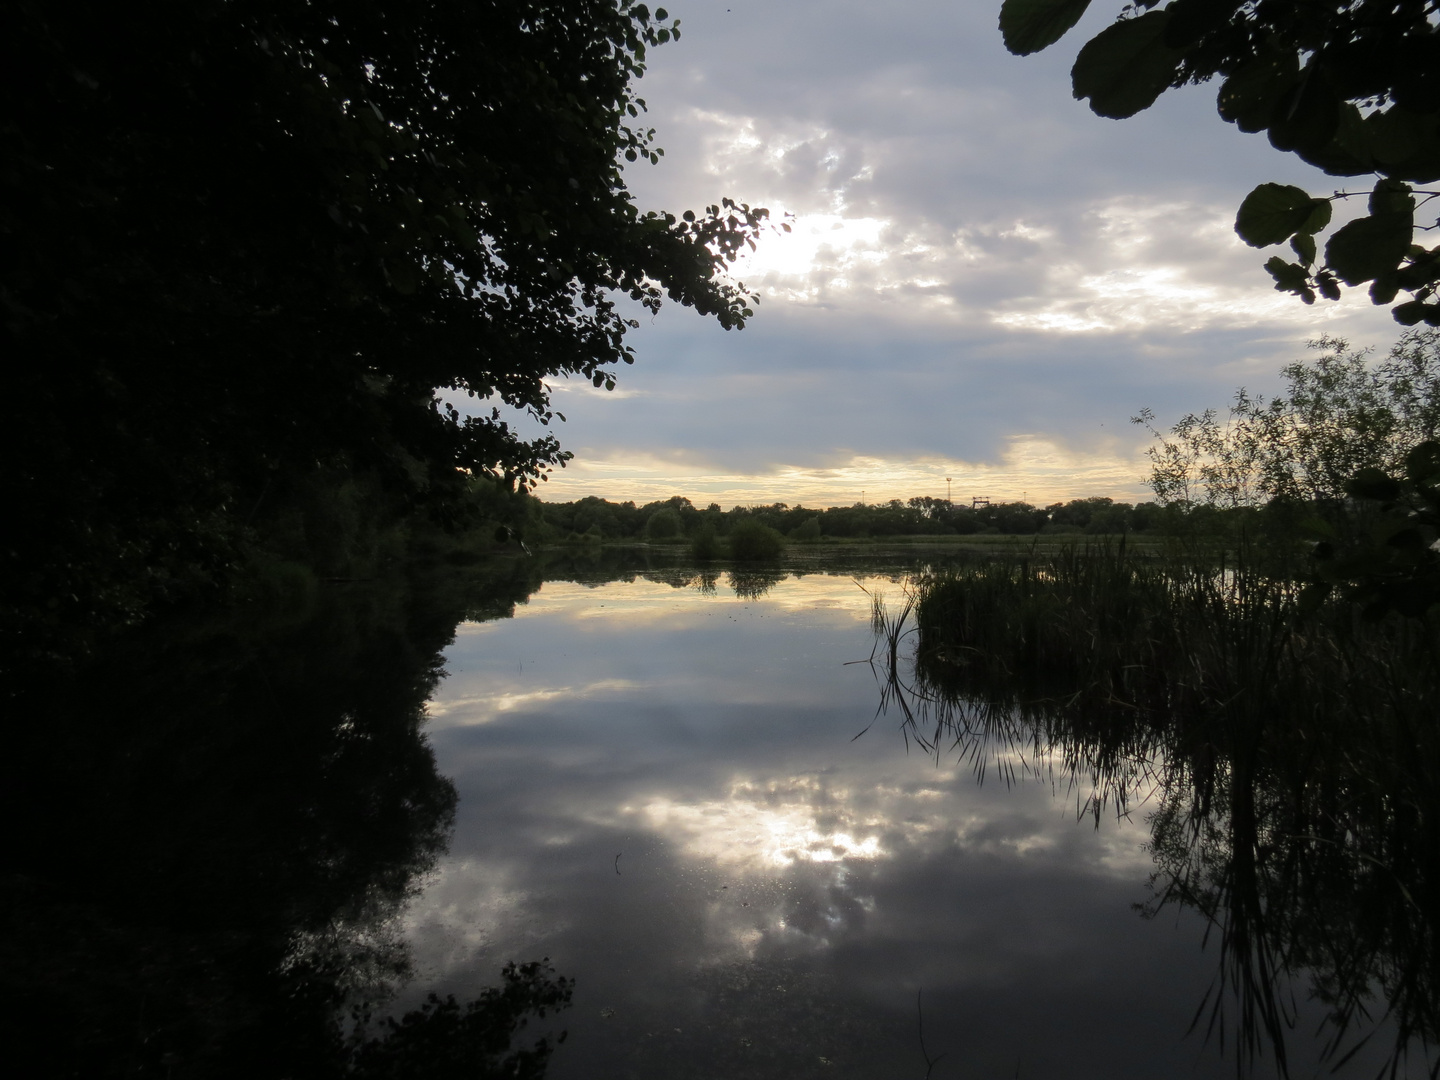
x,y
1394,564
217,823
246,239
1287,746
750,541
443,1040
1352,88
600,519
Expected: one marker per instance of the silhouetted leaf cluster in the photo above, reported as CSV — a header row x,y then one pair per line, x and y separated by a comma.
x,y
444,1040
1352,88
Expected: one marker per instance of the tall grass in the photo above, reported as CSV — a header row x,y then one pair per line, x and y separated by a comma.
x,y
1292,748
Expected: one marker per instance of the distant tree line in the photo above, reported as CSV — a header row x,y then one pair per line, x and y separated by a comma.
x,y
677,518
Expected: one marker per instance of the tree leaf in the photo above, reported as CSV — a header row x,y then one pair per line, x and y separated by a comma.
x,y
1368,247
1307,116
1409,313
1303,244
1273,213
1372,483
1126,66
1319,216
1392,197
1348,152
1289,277
1398,135
1030,25
1190,20
1247,98
1384,288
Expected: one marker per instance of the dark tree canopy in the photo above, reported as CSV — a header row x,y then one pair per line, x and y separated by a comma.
x,y
248,238
1350,86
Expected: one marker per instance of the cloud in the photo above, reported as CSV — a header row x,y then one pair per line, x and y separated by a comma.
x,y
977,264
491,704
1030,467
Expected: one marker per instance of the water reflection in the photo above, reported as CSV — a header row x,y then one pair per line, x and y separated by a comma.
x,y
762,825
215,828
654,778
753,584
1295,812
673,805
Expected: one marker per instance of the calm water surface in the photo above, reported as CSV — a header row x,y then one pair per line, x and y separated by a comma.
x,y
664,788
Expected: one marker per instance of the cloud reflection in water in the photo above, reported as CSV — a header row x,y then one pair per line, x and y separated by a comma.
x,y
764,825
662,794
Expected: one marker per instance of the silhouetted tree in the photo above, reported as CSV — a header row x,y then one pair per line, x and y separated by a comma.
x,y
243,238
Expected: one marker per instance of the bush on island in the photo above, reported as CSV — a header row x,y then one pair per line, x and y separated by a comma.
x,y
752,542
663,525
705,546
592,535
809,529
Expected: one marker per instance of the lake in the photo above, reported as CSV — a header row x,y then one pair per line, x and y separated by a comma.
x,y
678,786
683,796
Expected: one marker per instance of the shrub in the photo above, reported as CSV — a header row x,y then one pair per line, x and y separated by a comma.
x,y
752,542
663,525
809,529
1337,415
705,546
591,535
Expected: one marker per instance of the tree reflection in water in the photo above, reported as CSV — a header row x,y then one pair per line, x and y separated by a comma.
x,y
214,828
754,583
1288,755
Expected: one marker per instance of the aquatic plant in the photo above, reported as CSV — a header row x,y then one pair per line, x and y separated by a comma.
x,y
1290,746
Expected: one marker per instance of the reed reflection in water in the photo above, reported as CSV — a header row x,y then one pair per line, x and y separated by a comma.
x,y
1285,751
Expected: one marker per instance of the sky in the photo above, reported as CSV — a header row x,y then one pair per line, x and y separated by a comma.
x,y
984,280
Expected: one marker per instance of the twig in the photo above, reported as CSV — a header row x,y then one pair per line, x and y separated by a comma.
x,y
930,1062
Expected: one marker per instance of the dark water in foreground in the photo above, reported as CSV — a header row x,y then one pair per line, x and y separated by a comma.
x,y
674,786
661,788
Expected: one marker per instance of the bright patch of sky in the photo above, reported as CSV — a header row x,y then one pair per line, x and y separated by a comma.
x,y
982,280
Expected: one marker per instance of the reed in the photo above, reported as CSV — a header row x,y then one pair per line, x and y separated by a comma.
x,y
1292,750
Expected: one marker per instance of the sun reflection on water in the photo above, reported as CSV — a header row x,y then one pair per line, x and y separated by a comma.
x,y
764,827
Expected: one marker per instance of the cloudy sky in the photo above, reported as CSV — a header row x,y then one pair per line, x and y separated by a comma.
x,y
985,281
